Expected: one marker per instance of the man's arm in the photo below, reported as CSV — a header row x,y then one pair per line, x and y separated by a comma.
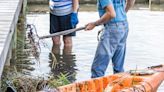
x,y
129,4
109,14
74,16
75,5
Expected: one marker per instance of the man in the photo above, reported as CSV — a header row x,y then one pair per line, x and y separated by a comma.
x,y
112,43
63,16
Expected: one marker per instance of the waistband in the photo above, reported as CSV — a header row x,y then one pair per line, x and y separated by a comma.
x,y
117,3
116,23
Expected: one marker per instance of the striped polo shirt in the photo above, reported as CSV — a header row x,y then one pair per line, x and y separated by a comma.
x,y
60,7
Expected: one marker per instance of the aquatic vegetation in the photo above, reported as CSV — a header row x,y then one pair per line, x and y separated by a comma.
x,y
59,81
22,83
35,43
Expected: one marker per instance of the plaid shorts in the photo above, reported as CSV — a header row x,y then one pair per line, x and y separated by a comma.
x,y
60,23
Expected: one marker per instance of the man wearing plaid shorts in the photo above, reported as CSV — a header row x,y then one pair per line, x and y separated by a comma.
x,y
63,16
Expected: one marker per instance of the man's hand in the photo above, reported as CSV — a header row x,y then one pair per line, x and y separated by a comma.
x,y
74,19
90,26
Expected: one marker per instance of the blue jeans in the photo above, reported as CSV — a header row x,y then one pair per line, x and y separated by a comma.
x,y
112,46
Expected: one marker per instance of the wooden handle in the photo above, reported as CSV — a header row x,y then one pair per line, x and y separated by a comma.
x,y
62,32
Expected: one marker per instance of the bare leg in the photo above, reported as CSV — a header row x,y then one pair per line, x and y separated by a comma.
x,y
67,50
67,41
56,49
56,40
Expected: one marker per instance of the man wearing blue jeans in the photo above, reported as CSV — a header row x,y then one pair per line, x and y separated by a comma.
x,y
112,45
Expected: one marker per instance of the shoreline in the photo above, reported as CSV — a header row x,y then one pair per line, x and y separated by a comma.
x,y
43,8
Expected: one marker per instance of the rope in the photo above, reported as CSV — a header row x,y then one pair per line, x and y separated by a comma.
x,y
98,34
138,89
143,87
152,89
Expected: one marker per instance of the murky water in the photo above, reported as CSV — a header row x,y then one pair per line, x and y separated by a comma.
x,y
144,46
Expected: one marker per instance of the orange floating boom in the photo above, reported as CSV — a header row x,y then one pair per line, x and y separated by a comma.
x,y
121,82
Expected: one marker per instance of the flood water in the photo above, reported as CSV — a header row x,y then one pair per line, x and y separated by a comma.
x,y
145,45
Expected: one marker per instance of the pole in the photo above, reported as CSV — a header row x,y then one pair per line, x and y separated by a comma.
x,y
62,32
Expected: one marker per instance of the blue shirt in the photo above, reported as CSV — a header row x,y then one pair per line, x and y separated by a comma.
x,y
119,7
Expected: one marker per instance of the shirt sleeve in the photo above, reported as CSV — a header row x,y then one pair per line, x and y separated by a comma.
x,y
105,3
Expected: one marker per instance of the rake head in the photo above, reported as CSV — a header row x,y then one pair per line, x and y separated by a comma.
x,y
33,40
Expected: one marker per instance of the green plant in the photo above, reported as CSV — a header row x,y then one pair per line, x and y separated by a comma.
x,y
61,80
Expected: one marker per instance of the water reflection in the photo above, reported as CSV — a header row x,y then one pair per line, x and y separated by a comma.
x,y
65,62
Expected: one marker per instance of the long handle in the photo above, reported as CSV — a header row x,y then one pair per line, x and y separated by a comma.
x,y
62,33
